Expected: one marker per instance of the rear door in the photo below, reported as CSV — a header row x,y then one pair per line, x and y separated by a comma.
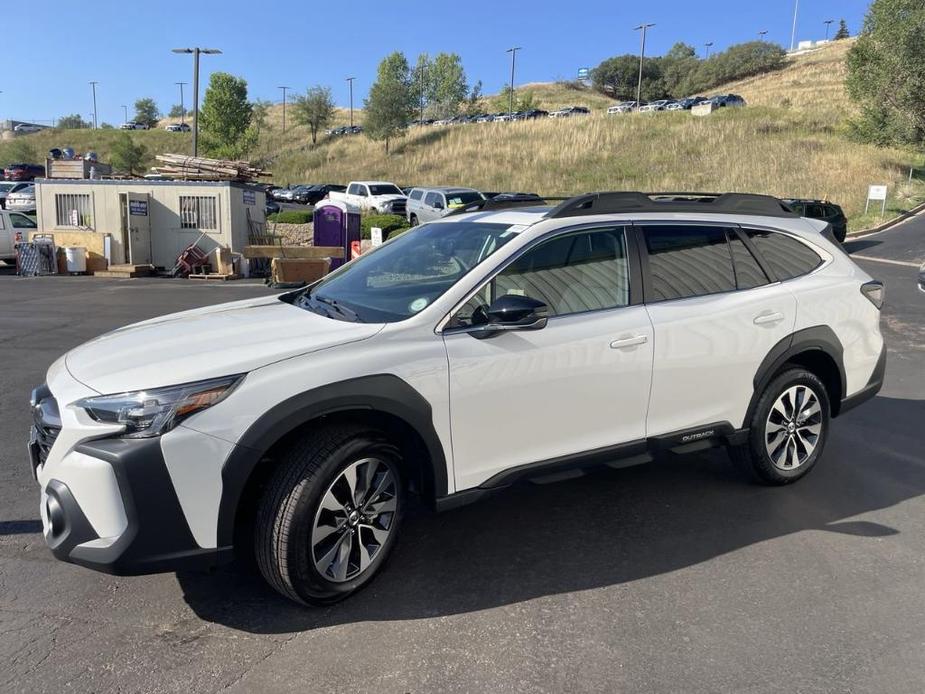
x,y
716,314
433,203
6,237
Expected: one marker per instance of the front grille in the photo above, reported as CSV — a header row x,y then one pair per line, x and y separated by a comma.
x,y
46,423
398,206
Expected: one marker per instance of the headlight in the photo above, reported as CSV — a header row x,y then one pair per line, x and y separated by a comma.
x,y
147,413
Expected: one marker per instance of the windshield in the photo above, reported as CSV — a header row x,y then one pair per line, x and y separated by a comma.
x,y
462,198
405,275
385,190
6,187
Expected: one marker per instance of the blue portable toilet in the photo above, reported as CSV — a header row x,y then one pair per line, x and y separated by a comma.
x,y
336,224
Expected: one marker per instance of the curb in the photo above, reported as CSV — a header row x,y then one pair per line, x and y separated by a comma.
x,y
889,223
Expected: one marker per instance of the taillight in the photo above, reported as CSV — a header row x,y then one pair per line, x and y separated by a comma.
x,y
874,292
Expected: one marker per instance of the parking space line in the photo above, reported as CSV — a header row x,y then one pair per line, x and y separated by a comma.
x,y
872,259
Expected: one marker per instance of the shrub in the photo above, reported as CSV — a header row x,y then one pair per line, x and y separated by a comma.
x,y
291,217
387,222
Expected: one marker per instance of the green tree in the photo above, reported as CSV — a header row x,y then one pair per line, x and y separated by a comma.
x,y
106,126
523,101
447,85
676,68
19,151
842,32
391,101
72,122
225,117
127,155
735,63
618,77
473,105
314,109
177,111
886,71
146,112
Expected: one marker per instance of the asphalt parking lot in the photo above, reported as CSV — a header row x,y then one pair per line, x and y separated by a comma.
x,y
672,577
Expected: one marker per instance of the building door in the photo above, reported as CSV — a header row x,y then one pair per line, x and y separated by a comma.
x,y
139,229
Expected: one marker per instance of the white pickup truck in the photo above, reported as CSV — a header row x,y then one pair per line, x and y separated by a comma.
x,y
380,197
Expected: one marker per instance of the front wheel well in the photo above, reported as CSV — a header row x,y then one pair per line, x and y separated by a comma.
x,y
416,460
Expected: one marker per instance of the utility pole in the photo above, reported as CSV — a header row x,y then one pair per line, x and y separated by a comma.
x,y
513,52
182,107
196,52
284,105
708,45
93,86
350,82
793,32
828,24
125,113
642,54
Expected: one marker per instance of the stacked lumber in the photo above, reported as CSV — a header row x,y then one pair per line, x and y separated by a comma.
x,y
202,169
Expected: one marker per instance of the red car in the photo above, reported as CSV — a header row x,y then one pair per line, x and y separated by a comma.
x,y
23,172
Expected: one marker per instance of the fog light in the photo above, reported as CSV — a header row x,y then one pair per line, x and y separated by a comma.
x,y
55,515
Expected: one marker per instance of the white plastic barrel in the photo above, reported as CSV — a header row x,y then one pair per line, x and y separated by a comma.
x,y
76,257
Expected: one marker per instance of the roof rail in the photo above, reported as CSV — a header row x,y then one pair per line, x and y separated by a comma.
x,y
492,204
623,202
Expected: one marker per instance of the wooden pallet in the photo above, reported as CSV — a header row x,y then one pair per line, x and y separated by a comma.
x,y
124,271
220,276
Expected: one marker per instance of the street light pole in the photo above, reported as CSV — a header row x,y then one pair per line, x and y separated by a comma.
x,y
708,45
182,107
93,86
828,24
513,52
642,54
350,82
125,113
793,32
196,52
284,105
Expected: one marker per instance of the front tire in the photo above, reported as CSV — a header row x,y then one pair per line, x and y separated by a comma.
x,y
330,514
413,220
788,429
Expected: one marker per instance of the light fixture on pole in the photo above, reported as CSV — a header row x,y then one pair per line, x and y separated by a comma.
x,y
708,44
513,52
762,34
828,23
350,82
182,107
196,52
793,32
642,54
93,86
285,89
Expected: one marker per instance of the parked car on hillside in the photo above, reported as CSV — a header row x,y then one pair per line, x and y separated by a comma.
x,y
14,229
271,207
177,128
427,204
132,125
23,172
381,197
7,187
732,100
22,200
27,128
622,107
822,209
460,357
655,106
319,192
570,111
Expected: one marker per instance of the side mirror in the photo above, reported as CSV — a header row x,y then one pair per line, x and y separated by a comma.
x,y
513,312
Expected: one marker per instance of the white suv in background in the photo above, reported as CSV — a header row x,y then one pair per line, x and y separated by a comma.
x,y
429,204
493,345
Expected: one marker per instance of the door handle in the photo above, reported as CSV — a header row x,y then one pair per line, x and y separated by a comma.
x,y
629,341
765,318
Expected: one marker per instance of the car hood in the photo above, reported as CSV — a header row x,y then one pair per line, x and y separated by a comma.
x,y
388,196
206,343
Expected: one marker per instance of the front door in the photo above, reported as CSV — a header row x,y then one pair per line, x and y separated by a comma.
x,y
6,238
579,384
139,229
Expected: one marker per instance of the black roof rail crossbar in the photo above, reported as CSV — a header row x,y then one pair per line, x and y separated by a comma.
x,y
492,204
625,202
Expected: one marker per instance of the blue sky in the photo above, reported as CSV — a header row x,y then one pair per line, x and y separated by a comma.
x,y
62,45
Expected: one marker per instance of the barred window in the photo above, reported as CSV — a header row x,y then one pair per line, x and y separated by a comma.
x,y
198,212
73,210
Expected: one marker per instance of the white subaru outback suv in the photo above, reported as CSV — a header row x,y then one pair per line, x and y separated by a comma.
x,y
492,345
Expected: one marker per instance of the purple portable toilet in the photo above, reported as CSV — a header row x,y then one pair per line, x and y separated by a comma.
x,y
336,224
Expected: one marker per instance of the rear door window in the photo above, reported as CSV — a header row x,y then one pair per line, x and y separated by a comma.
x,y
786,256
686,261
747,270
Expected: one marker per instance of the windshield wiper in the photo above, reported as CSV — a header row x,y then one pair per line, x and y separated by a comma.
x,y
329,305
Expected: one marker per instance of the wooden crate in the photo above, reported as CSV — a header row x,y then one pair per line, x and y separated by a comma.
x,y
294,270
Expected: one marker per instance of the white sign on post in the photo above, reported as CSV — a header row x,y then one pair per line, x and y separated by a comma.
x,y
375,235
876,193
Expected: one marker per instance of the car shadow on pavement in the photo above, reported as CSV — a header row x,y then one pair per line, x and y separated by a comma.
x,y
859,245
610,527
20,527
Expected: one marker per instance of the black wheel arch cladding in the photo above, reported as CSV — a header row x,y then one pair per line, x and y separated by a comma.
x,y
382,393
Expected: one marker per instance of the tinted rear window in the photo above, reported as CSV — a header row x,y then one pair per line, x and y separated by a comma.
x,y
787,257
687,261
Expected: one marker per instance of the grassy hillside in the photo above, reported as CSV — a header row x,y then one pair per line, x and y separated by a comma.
x,y
99,141
789,141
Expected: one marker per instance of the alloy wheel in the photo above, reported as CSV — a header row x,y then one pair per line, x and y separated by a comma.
x,y
354,519
793,428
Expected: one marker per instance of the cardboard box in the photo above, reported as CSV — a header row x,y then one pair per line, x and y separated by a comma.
x,y
294,270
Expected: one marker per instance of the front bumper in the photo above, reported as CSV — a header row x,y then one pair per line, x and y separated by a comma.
x,y
155,535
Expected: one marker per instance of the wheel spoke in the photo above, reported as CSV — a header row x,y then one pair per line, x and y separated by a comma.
x,y
384,506
365,557
380,488
342,560
323,532
365,478
324,563
349,476
381,534
331,503
794,453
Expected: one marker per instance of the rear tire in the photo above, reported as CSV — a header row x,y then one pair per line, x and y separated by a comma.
x,y
330,514
788,429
